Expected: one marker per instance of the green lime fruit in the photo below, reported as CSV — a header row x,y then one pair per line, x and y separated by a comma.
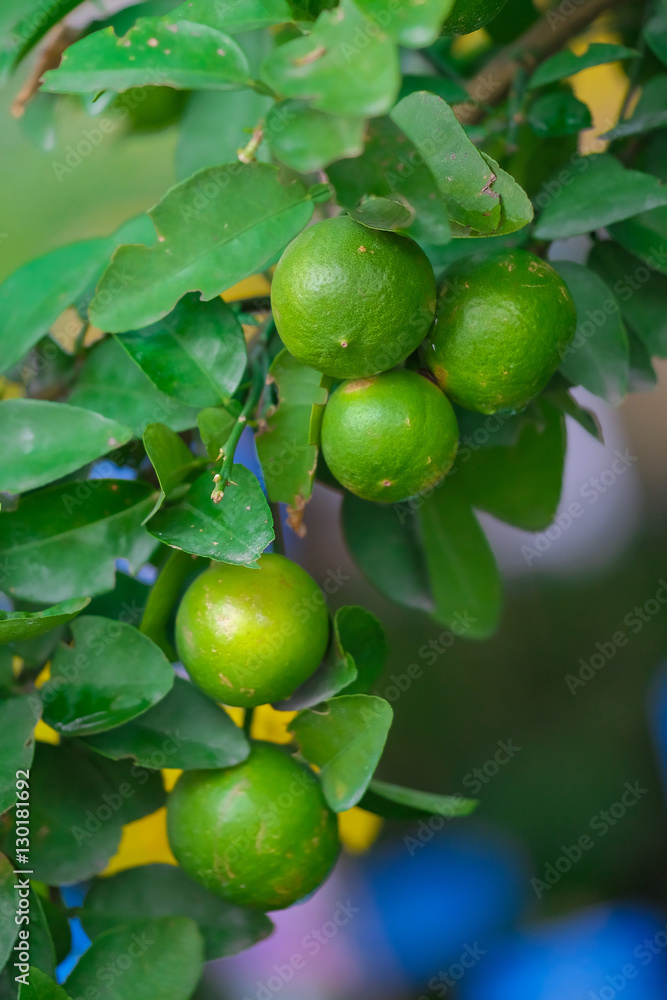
x,y
251,636
259,834
351,301
503,321
471,15
390,436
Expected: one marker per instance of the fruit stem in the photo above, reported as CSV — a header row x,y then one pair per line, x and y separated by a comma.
x,y
163,595
247,721
221,478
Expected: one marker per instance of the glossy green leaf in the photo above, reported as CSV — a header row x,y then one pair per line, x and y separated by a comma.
x,y
168,964
170,457
283,445
19,625
414,25
480,199
63,541
155,51
59,928
344,737
140,792
42,950
45,441
383,213
111,384
655,33
32,298
164,891
234,17
649,114
522,484
396,802
75,830
603,191
236,530
335,673
598,356
382,540
557,394
558,113
196,354
448,90
345,66
214,229
184,730
462,571
391,166
18,717
34,20
644,236
215,125
641,293
110,675
566,63
308,140
361,636
8,926
41,987
215,425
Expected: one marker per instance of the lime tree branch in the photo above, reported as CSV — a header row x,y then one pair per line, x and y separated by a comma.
x,y
221,478
548,35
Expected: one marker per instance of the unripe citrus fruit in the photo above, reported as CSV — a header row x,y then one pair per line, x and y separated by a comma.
x,y
351,301
502,323
250,636
390,436
259,834
471,15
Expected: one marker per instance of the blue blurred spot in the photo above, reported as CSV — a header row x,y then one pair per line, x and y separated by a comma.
x,y
437,895
73,895
595,954
104,469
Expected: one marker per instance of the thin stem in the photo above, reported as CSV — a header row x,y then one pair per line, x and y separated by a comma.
x,y
247,721
279,540
221,478
163,595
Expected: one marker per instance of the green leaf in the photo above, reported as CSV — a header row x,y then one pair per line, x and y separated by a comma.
x,y
382,541
110,675
361,636
168,956
214,229
641,292
642,376
234,18
558,394
396,802
308,140
8,926
383,213
655,33
33,297
41,987
522,484
236,530
18,717
558,113
391,165
462,570
414,24
17,625
344,737
74,829
34,20
649,113
566,63
215,425
335,673
448,90
601,193
215,125
165,891
345,66
63,541
644,236
598,356
138,792
170,457
185,730
284,448
156,51
46,441
196,354
58,925
111,384
42,950
464,177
